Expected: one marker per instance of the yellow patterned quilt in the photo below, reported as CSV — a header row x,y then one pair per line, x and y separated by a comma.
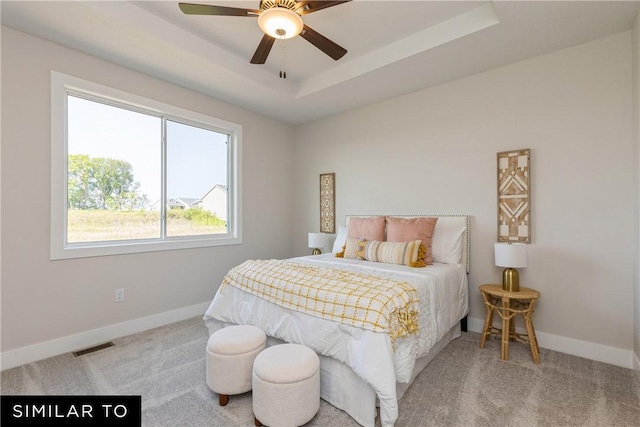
x,y
366,301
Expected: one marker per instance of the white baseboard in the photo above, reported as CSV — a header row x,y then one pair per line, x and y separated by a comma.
x,y
636,362
21,356
588,350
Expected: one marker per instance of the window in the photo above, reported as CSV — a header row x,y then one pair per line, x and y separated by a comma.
x,y
130,174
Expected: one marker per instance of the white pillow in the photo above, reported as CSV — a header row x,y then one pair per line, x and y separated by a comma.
x,y
341,239
446,245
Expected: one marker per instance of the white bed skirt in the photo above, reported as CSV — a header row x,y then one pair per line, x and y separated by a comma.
x,y
342,388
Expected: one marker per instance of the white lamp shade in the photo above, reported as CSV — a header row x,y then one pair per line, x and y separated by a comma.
x,y
280,23
316,240
511,255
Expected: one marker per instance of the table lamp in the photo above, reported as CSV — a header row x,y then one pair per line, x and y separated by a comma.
x,y
316,241
511,256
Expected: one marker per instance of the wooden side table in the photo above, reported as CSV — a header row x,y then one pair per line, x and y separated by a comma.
x,y
508,305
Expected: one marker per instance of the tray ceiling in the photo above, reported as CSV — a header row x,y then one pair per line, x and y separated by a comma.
x,y
394,47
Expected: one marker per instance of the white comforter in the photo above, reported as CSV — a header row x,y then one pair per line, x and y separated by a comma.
x,y
442,290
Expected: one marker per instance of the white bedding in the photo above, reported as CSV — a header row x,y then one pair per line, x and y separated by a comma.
x,y
442,289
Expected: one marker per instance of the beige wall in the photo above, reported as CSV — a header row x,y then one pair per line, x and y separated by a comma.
x,y
434,151
46,300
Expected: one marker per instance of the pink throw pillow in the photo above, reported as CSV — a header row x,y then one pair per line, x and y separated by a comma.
x,y
409,229
370,228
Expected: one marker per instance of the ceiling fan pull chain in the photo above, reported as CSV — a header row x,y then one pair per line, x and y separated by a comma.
x,y
283,59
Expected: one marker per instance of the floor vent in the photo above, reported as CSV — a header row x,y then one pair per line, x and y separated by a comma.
x,y
92,349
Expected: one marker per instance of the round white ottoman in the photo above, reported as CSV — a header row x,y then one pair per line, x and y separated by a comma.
x,y
286,386
230,355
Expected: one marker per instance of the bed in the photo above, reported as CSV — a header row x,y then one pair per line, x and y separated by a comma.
x,y
360,367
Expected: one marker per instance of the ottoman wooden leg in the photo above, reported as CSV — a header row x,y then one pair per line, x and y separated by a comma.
x,y
257,422
224,399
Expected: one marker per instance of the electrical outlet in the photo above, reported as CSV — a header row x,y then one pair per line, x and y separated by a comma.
x,y
119,295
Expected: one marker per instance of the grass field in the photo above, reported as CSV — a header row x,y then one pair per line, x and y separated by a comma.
x,y
106,225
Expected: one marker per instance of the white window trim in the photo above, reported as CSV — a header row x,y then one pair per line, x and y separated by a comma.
x,y
59,249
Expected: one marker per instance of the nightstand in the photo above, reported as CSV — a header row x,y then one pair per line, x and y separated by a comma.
x,y
508,304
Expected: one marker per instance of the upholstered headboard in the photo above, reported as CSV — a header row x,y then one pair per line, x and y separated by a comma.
x,y
447,223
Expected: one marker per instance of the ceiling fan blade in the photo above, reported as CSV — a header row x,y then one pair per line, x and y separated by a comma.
x,y
260,56
204,9
306,7
324,44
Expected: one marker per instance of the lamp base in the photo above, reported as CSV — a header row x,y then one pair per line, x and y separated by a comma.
x,y
316,251
510,280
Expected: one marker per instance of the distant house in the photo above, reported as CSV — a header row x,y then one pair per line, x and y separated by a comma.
x,y
178,203
183,203
215,201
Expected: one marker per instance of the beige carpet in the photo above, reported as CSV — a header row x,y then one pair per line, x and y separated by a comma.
x,y
463,386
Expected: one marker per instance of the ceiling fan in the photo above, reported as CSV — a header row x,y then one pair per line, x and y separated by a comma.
x,y
278,19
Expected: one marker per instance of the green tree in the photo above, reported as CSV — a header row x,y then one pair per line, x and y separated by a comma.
x,y
80,182
102,183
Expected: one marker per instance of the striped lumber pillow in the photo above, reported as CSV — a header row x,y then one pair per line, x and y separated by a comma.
x,y
403,253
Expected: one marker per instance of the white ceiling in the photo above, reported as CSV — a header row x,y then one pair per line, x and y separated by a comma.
x,y
394,47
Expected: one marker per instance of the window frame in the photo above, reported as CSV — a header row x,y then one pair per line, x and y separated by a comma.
x,y
63,85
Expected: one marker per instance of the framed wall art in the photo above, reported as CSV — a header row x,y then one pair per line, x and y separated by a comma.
x,y
327,203
514,196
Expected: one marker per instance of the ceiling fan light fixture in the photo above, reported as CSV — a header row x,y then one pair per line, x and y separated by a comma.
x,y
280,23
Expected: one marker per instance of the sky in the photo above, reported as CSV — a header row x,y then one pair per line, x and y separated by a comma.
x,y
196,157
